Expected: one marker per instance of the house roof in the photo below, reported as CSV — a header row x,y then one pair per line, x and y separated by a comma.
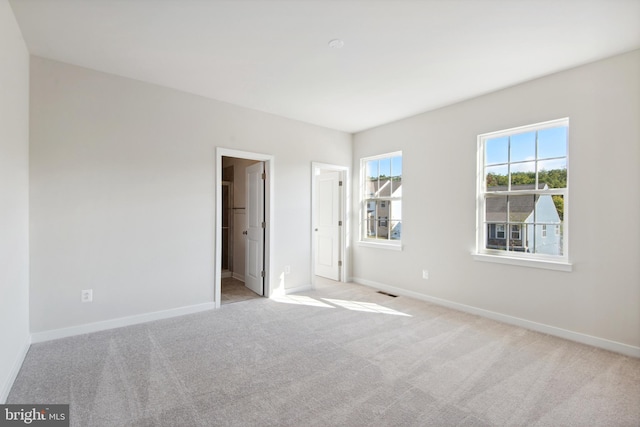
x,y
384,188
520,207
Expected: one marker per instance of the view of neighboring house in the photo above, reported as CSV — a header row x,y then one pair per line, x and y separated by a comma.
x,y
533,223
384,208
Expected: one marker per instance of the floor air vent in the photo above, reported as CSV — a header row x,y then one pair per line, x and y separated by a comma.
x,y
388,294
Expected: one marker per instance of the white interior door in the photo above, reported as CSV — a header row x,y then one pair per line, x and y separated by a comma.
x,y
254,248
327,227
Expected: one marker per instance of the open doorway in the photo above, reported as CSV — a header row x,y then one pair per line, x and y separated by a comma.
x,y
243,215
233,231
329,239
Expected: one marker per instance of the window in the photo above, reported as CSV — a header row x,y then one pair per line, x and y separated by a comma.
x,y
522,187
515,232
381,218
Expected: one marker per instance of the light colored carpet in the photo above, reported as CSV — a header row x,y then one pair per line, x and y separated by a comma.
x,y
340,355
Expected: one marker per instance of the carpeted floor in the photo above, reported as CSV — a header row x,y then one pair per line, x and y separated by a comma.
x,y
341,355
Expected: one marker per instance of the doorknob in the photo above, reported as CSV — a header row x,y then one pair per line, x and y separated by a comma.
x,y
316,229
244,232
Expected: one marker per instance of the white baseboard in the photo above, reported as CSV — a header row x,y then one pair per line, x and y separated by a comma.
x,y
118,323
15,369
238,276
618,347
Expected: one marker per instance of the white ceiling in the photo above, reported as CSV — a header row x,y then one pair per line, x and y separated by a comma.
x,y
399,58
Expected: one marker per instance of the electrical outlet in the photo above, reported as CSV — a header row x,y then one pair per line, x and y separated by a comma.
x,y
87,295
425,274
287,269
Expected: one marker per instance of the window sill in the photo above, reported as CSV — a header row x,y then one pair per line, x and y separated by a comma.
x,y
389,246
522,262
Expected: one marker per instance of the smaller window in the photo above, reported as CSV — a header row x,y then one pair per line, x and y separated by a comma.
x,y
544,230
515,232
557,230
500,231
381,197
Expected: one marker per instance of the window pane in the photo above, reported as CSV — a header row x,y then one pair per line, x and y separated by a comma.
x,y
549,243
396,230
553,173
552,143
382,229
396,176
496,209
372,169
396,187
383,210
496,151
371,207
371,180
523,176
550,209
385,187
370,188
370,228
377,219
496,237
385,167
370,216
496,178
521,208
516,241
396,210
523,147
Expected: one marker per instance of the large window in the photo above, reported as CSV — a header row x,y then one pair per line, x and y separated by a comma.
x,y
381,217
522,192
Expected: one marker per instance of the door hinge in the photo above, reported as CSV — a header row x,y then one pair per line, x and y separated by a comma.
x,y
339,183
262,273
264,224
339,263
264,175
340,223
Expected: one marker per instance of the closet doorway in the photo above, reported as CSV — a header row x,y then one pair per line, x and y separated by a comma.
x,y
243,212
329,219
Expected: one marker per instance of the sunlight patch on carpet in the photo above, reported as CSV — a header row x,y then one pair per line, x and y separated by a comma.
x,y
369,307
301,300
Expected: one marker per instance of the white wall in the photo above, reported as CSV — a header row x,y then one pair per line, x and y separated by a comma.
x,y
14,199
601,297
122,192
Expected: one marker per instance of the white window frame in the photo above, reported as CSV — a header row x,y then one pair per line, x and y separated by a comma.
x,y
500,229
544,230
363,239
482,253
